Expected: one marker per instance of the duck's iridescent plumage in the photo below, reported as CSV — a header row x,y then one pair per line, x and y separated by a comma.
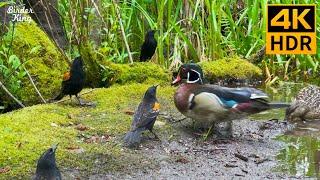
x,y
211,104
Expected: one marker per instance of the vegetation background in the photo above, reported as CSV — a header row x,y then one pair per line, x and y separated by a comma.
x,y
105,31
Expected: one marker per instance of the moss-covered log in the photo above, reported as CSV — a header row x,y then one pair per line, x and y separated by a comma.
x,y
137,72
230,68
46,65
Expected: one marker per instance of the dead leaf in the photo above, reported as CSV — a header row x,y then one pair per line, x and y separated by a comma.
x,y
81,127
5,169
97,139
75,149
182,160
129,112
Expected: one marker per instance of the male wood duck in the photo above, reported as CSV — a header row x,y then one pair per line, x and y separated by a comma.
x,y
306,105
210,104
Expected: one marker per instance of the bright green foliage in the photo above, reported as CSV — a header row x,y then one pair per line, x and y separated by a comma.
x,y
25,134
188,29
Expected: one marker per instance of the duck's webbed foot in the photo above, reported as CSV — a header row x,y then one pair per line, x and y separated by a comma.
x,y
221,130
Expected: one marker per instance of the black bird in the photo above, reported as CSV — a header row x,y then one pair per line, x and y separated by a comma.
x,y
47,168
73,81
148,47
143,118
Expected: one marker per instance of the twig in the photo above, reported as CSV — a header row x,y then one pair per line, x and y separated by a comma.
x,y
122,31
56,102
9,93
35,87
242,157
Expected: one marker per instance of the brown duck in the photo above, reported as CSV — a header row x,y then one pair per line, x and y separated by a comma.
x,y
306,105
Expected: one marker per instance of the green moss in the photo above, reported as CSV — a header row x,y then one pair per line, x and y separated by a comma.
x,y
137,72
46,65
28,132
231,67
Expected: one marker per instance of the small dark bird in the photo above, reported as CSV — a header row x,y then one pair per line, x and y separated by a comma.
x,y
47,168
143,118
148,47
306,105
73,81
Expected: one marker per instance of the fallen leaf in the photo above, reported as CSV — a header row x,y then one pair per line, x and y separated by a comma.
x,y
5,169
129,112
81,127
182,160
75,149
97,139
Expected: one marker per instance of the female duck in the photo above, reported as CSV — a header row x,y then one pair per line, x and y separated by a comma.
x,y
306,105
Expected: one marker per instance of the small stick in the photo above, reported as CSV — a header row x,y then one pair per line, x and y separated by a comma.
x,y
9,93
62,100
35,87
242,157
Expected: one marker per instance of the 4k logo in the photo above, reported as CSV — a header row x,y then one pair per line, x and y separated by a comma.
x,y
291,29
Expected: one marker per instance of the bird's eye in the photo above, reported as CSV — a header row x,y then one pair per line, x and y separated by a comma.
x,y
51,150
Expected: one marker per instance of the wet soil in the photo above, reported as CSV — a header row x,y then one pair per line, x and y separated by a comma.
x,y
249,154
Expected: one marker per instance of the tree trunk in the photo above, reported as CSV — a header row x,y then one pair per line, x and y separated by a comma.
x,y
48,18
4,20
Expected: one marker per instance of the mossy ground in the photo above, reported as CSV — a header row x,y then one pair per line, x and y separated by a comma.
x,y
25,134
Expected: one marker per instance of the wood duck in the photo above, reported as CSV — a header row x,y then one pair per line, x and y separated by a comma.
x,y
306,105
210,104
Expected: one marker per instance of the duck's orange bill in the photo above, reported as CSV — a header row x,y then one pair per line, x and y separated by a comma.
x,y
156,107
66,76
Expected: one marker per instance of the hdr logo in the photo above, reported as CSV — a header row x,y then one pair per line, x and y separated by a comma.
x,y
291,29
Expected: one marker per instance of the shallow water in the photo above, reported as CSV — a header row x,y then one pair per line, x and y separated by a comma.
x,y
300,156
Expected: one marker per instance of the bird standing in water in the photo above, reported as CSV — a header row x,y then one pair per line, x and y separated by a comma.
x,y
148,47
73,81
46,167
211,104
143,118
306,105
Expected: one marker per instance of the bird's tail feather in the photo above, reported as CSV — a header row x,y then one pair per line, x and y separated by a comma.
x,y
59,97
279,105
132,138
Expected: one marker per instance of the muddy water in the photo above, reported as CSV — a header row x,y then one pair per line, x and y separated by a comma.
x,y
300,156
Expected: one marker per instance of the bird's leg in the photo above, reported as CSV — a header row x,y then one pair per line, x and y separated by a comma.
x,y
228,129
84,103
225,131
80,100
155,135
216,129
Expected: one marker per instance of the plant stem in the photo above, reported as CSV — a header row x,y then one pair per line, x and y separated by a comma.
x,y
9,93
